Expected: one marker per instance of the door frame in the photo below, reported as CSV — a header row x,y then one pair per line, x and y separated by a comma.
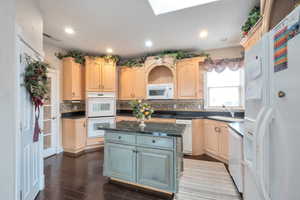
x,y
56,133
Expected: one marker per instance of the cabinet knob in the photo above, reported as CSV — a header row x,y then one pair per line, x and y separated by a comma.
x,y
73,94
119,137
153,141
218,129
281,94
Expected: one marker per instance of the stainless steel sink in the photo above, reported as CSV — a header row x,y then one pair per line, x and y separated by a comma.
x,y
228,119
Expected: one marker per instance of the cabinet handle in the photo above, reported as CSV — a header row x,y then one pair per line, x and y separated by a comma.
x,y
134,151
73,94
84,125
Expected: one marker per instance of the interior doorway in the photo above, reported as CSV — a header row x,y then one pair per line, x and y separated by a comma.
x,y
51,116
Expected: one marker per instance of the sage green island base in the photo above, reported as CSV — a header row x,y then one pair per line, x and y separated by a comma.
x,y
150,159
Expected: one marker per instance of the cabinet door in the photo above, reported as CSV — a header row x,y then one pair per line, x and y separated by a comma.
x,y
211,137
93,72
155,168
125,83
80,131
224,142
77,74
139,85
108,77
188,79
120,162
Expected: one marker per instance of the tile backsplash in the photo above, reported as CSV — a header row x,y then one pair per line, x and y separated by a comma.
x,y
71,106
168,105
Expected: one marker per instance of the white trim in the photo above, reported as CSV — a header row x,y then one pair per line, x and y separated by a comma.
x,y
242,94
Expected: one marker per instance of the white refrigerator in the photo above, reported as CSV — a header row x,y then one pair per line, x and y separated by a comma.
x,y
272,139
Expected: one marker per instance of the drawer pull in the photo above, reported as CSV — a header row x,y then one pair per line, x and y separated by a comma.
x,y
153,141
119,137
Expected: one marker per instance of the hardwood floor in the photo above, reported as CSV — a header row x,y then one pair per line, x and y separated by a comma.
x,y
81,178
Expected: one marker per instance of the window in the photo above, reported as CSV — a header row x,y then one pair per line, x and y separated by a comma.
x,y
225,88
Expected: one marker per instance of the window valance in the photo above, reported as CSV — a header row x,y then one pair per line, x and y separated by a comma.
x,y
221,64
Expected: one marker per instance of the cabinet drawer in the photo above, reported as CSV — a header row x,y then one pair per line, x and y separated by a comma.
x,y
158,142
120,137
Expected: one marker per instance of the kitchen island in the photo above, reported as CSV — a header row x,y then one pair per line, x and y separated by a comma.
x,y
150,158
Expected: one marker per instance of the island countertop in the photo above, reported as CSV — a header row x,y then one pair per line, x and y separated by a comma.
x,y
152,128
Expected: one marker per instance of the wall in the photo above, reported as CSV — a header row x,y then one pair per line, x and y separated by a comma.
x,y
231,52
30,20
8,102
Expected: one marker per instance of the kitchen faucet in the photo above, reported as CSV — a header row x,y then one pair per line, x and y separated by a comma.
x,y
230,111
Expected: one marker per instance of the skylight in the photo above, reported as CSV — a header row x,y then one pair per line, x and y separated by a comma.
x,y
164,6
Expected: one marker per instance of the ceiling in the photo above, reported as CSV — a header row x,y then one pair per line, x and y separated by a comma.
x,y
125,25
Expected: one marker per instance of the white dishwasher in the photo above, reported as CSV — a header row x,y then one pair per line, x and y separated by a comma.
x,y
236,167
187,136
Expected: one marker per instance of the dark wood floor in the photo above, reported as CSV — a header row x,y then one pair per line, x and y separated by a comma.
x,y
81,178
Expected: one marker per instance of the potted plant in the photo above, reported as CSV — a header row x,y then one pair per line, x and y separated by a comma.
x,y
142,111
253,18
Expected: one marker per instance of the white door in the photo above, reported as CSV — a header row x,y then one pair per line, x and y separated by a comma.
x,y
31,164
50,117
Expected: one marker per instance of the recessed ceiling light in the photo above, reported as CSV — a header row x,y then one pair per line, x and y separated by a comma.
x,y
203,34
148,43
69,30
109,50
165,6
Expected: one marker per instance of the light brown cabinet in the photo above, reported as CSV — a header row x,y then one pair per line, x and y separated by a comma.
x,y
73,80
100,75
132,83
189,78
74,135
216,139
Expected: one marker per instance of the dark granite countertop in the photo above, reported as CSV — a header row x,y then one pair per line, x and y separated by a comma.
x,y
152,128
238,127
73,115
185,115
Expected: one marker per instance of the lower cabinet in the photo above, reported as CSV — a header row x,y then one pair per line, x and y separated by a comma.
x,y
155,168
146,165
121,161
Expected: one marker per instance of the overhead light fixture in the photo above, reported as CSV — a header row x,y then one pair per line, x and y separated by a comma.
x,y
203,34
109,50
165,6
149,43
69,30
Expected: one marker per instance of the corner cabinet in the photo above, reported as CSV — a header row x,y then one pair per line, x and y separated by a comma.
x,y
132,83
100,75
73,80
216,139
189,78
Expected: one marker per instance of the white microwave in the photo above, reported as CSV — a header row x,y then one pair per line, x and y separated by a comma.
x,y
160,91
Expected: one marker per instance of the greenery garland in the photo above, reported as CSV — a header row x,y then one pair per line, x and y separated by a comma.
x,y
253,18
79,57
36,83
177,54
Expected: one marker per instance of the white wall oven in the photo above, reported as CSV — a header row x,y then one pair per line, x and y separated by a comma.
x,y
101,104
95,125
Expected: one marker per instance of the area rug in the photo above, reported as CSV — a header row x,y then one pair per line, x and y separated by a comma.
x,y
203,180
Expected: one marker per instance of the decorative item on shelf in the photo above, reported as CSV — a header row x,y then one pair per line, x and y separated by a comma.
x,y
142,111
36,83
221,64
297,3
253,18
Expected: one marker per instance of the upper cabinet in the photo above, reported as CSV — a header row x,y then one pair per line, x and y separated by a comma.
x,y
100,75
132,83
73,80
189,78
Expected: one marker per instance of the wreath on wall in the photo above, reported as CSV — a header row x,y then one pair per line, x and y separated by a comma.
x,y
36,83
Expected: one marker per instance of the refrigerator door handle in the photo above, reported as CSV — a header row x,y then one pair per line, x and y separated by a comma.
x,y
259,119
263,132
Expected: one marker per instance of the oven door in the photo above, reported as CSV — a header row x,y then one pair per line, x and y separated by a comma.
x,y
101,107
95,125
